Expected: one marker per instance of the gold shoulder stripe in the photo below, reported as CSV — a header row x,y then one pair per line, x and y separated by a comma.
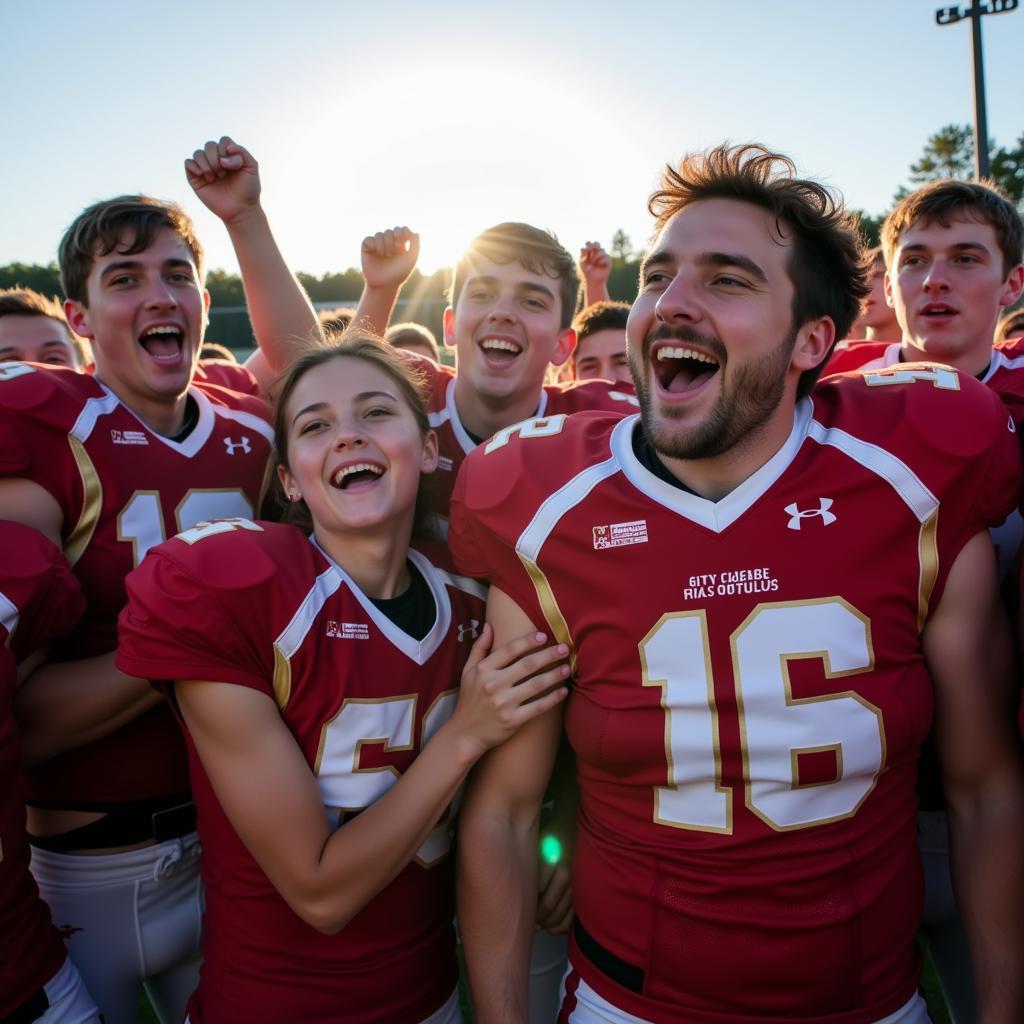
x,y
92,502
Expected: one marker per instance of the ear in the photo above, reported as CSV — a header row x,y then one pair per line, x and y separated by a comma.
x,y
813,343
206,306
563,347
429,461
888,291
78,318
1012,287
449,327
288,484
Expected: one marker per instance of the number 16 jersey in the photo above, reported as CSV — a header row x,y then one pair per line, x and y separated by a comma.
x,y
749,688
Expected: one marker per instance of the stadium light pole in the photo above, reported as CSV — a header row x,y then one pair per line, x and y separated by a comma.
x,y
950,16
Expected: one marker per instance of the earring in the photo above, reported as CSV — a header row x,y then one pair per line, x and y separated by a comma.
x,y
295,497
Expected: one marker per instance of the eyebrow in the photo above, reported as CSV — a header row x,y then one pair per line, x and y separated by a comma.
x,y
111,268
363,396
710,259
521,286
956,247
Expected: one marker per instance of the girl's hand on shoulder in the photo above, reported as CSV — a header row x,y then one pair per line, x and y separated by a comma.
x,y
502,689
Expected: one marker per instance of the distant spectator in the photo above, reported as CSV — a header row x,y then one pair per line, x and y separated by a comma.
x,y
33,329
601,342
336,320
414,337
877,318
213,350
1011,326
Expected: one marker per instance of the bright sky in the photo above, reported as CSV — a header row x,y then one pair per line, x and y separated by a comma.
x,y
450,116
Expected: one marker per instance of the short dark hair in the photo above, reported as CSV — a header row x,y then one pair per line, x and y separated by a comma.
x,y
337,319
215,350
361,345
825,265
100,228
873,256
940,201
410,333
534,250
598,316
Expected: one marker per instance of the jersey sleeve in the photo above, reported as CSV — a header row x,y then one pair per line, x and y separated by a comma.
x,y
201,610
40,599
226,374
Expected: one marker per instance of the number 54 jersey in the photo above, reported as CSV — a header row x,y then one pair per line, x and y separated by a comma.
x,y
123,489
749,688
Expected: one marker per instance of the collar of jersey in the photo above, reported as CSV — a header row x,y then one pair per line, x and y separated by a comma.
x,y
712,515
199,434
418,651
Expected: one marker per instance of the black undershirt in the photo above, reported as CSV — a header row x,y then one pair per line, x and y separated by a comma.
x,y
413,611
648,458
190,421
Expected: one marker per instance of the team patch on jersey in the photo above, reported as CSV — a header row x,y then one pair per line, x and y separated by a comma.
x,y
128,437
445,463
348,630
617,535
469,631
231,445
796,514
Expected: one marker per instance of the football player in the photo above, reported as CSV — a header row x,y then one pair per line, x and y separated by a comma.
x,y
33,329
39,600
317,676
109,466
765,592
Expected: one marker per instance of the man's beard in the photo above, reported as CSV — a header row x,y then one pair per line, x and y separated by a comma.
x,y
742,409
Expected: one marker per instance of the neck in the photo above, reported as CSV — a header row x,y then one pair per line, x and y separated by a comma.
x,y
715,477
162,416
483,416
974,361
375,561
886,334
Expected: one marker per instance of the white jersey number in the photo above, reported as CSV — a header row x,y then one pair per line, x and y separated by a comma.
x,y
776,728
141,522
346,786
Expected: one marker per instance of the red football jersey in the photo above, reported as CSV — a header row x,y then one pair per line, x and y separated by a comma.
x,y
749,689
226,374
39,600
123,489
454,441
261,605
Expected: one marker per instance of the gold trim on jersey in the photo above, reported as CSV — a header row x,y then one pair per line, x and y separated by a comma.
x,y
92,502
795,753
282,678
928,555
549,606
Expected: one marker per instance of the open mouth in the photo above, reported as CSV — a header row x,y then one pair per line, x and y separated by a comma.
x,y
680,369
938,311
356,475
164,344
500,351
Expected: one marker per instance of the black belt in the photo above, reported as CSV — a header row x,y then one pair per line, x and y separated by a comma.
x,y
623,973
159,820
32,1009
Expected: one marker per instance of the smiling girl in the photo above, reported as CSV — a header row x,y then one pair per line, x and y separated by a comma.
x,y
317,678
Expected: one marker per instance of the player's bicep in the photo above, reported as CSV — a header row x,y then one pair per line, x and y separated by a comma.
x,y
260,777
968,648
25,501
509,781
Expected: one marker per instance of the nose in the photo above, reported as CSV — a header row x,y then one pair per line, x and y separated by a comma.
x,y
502,311
677,303
349,435
160,295
937,278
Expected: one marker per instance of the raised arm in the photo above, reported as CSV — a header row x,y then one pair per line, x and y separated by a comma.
x,y
271,798
497,870
388,258
226,179
595,267
969,654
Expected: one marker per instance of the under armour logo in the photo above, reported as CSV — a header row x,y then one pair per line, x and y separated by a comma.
x,y
824,504
232,445
472,628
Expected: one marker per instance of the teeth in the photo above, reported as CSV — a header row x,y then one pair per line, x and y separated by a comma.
x,y
500,345
685,353
359,467
161,330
